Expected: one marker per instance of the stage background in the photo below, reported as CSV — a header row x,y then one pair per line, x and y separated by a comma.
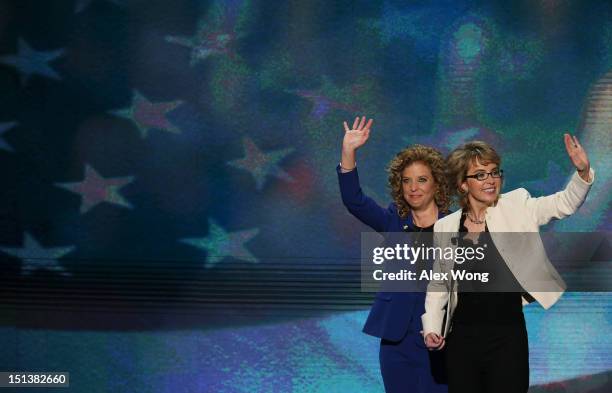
x,y
170,219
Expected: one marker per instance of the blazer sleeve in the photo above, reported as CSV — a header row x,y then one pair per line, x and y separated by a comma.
x,y
561,204
436,298
362,206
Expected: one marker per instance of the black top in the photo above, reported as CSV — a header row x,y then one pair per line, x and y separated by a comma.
x,y
417,239
496,302
420,229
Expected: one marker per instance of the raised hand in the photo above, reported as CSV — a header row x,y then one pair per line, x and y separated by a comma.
x,y
577,155
357,136
353,139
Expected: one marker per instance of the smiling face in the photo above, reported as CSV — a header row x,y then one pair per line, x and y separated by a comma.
x,y
418,185
482,192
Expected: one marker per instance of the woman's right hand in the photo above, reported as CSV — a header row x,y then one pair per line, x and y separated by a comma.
x,y
357,136
434,342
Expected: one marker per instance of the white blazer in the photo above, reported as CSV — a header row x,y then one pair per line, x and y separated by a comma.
x,y
515,211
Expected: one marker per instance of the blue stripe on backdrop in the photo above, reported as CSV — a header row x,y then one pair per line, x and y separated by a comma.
x,y
322,354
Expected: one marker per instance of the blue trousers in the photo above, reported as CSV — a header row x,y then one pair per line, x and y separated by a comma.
x,y
408,367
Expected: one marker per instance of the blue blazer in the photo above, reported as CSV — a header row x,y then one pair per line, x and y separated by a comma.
x,y
393,314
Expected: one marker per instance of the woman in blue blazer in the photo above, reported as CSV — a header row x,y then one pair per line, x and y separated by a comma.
x,y
420,193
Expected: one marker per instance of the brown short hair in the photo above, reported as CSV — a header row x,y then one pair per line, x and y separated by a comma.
x,y
430,157
458,163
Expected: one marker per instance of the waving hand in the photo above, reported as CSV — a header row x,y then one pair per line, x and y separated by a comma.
x,y
578,156
357,136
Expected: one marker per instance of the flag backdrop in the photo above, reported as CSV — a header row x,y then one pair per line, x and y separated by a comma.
x,y
170,219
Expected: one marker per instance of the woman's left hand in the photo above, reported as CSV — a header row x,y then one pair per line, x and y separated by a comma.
x,y
578,156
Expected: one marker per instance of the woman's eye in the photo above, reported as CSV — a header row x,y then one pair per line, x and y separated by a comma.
x,y
405,181
422,180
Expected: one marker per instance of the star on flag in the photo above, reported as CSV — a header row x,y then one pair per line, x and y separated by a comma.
x,y
147,115
29,61
215,33
203,45
95,189
220,244
35,257
330,97
322,104
4,127
261,164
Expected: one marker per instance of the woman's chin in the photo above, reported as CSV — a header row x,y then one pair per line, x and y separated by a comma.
x,y
418,203
487,198
412,202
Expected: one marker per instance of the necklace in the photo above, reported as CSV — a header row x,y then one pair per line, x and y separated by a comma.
x,y
475,221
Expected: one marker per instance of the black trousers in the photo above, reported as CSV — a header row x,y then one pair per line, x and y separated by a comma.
x,y
488,359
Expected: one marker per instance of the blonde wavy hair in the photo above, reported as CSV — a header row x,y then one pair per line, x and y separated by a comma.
x,y
430,157
458,163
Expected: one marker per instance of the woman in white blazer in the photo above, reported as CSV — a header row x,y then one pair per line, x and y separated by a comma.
x,y
484,332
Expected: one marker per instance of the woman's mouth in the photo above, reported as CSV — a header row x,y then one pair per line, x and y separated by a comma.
x,y
489,190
